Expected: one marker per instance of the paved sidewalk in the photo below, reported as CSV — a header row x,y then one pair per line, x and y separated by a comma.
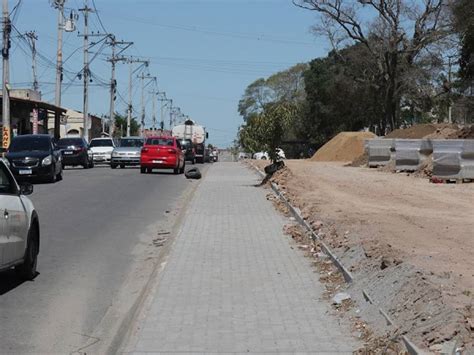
x,y
234,285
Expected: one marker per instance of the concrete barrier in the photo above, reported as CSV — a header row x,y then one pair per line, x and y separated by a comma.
x,y
410,154
453,158
380,151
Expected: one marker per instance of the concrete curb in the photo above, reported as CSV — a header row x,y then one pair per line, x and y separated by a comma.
x,y
410,346
124,325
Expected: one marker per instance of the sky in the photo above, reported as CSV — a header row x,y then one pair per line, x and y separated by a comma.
x,y
204,53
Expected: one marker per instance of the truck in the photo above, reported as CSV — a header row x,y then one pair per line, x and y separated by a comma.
x,y
196,133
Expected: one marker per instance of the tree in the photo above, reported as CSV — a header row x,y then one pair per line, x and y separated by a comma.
x,y
121,126
463,11
286,85
265,131
396,33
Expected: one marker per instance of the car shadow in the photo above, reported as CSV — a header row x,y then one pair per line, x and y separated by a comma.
x,y
9,280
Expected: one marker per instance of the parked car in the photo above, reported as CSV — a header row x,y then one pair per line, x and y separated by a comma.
x,y
127,153
102,149
188,149
35,156
243,155
20,236
76,152
162,153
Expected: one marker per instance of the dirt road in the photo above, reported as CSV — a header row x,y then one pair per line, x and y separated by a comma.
x,y
432,224
410,239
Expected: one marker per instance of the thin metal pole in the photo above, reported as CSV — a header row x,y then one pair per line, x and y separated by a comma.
x,y
142,121
59,55
6,76
85,75
112,91
129,116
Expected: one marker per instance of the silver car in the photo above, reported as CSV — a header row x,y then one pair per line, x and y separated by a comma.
x,y
127,153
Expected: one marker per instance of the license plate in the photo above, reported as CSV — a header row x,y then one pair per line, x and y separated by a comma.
x,y
67,153
25,172
157,161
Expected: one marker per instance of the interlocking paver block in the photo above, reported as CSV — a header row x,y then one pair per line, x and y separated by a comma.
x,y
233,284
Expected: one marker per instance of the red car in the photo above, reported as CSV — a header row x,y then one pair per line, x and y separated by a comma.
x,y
162,153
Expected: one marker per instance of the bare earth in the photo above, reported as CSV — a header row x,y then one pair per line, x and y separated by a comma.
x,y
429,226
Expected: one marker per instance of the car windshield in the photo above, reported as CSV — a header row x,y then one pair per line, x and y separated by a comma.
x,y
101,143
160,141
66,142
21,144
136,143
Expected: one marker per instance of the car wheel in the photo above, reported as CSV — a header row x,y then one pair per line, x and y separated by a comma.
x,y
52,177
91,164
149,170
142,170
176,170
181,171
27,270
59,177
122,166
113,166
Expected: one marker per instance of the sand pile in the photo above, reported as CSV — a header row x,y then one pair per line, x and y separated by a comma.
x,y
346,146
433,131
464,133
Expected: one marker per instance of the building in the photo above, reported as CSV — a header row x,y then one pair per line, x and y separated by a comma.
x,y
72,124
28,114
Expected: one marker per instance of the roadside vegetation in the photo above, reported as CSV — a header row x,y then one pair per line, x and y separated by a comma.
x,y
393,63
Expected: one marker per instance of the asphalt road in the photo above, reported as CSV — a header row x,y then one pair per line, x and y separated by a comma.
x,y
91,223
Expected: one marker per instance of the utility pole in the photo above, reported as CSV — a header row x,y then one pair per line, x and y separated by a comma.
x,y
142,121
86,72
31,35
171,113
130,79
59,4
162,99
6,76
113,82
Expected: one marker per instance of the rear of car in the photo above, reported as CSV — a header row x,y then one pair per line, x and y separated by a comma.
x,y
161,153
102,149
188,150
75,152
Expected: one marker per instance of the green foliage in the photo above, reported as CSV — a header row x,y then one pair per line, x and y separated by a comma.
x,y
121,126
265,131
463,11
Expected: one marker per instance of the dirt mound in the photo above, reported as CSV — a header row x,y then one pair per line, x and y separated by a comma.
x,y
429,130
464,133
346,146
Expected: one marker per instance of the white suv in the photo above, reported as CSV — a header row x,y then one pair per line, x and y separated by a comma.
x,y
19,226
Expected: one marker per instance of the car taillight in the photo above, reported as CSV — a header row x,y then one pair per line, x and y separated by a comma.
x,y
144,150
172,151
